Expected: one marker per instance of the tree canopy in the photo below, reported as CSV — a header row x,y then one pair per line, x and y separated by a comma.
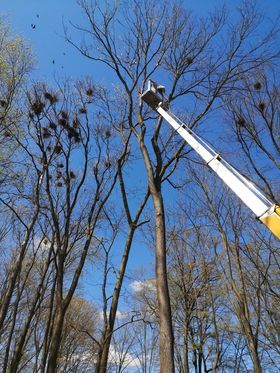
x,y
93,180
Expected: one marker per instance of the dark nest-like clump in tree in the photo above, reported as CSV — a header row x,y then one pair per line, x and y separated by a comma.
x,y
46,133
261,106
240,121
57,149
257,86
37,107
51,97
83,110
53,126
89,92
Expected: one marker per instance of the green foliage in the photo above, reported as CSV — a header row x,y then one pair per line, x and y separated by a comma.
x,y
15,64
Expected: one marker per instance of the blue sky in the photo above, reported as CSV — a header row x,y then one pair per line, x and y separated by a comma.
x,y
53,56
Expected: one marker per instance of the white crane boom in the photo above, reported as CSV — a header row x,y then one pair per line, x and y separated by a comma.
x,y
264,209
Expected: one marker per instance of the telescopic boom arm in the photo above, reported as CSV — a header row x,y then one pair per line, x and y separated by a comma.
x,y
264,209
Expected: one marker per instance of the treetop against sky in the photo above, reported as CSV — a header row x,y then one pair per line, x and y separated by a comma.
x,y
41,24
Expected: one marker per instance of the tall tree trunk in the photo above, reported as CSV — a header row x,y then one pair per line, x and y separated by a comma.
x,y
166,345
15,271
102,360
166,332
48,331
186,348
255,358
11,333
252,345
56,337
18,352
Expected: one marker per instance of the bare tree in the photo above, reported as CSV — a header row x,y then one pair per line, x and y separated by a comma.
x,y
77,352
242,278
15,64
141,39
65,204
254,117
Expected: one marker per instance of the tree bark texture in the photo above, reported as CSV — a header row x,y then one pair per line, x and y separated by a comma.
x,y
166,332
55,344
166,345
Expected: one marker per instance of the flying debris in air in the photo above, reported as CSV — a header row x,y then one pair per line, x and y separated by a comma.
x,y
53,61
37,15
33,26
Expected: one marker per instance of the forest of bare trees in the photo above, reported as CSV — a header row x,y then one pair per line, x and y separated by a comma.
x,y
74,215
